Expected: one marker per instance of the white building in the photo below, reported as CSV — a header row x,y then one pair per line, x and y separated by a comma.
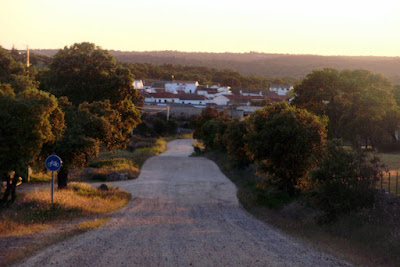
x,y
193,99
188,86
138,84
226,90
251,92
221,100
213,91
280,89
160,98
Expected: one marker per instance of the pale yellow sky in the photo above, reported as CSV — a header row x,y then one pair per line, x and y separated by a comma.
x,y
340,27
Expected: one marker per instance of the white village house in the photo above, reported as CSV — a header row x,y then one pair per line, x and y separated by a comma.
x,y
280,89
188,86
138,84
160,98
193,99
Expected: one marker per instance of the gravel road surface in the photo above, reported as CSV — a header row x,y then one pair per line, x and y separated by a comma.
x,y
184,212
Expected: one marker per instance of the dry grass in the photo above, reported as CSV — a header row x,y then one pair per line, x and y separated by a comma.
x,y
126,162
179,136
40,177
93,224
370,237
392,165
32,212
31,225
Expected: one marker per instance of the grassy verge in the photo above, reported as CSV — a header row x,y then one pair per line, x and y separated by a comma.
x,y
124,161
40,177
392,163
368,238
32,211
31,220
179,136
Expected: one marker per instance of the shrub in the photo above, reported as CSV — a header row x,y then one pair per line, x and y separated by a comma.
x,y
207,114
99,177
156,125
287,142
234,139
212,133
344,181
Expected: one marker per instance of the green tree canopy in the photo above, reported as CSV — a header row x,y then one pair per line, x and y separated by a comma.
x,y
359,104
287,142
86,73
207,114
80,141
234,139
343,181
15,73
120,118
28,120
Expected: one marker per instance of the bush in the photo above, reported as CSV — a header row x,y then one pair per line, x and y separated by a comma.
x,y
207,114
212,133
156,126
287,142
99,177
234,139
344,181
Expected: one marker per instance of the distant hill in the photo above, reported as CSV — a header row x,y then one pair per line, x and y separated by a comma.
x,y
253,63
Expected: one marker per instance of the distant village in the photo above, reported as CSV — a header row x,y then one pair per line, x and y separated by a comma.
x,y
191,93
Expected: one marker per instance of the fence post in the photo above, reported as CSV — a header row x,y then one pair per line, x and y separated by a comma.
x,y
389,183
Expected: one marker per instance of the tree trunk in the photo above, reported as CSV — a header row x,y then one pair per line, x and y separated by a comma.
x,y
8,188
14,187
62,178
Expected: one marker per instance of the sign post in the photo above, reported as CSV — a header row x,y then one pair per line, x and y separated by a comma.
x,y
53,164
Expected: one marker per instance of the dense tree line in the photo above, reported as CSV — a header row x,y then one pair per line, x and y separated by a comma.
x,y
189,72
205,75
298,149
267,65
263,64
360,105
83,100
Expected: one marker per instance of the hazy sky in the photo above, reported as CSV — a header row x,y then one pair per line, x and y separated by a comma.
x,y
340,27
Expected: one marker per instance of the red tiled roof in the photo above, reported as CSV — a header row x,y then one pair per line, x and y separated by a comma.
x,y
270,95
163,95
244,97
185,82
251,91
273,96
145,94
210,91
192,97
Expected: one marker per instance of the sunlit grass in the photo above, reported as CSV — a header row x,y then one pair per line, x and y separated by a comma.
x,y
179,136
32,212
127,162
392,165
93,224
40,177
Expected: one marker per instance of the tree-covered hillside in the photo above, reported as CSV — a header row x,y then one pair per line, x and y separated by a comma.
x,y
268,65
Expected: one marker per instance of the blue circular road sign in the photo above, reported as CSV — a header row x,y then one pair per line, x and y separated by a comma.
x,y
53,163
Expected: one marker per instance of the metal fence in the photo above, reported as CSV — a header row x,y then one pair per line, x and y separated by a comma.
x,y
390,182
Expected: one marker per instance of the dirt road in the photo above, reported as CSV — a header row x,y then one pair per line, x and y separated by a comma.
x,y
184,212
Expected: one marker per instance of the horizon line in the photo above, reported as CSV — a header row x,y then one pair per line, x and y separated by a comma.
x,y
225,52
